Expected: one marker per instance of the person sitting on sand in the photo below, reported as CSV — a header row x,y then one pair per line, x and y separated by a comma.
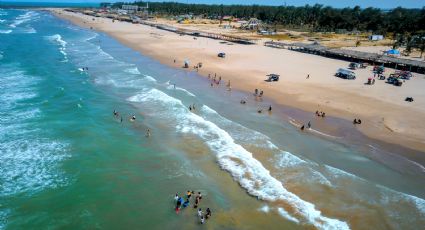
x,y
359,121
208,213
317,112
261,93
323,114
302,128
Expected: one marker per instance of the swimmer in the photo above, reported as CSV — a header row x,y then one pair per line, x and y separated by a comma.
x,y
186,203
190,107
133,118
148,133
115,113
208,213
121,119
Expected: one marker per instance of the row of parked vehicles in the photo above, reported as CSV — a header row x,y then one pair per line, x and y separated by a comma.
x,y
396,78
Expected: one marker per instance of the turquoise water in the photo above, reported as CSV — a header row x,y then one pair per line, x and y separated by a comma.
x,y
66,162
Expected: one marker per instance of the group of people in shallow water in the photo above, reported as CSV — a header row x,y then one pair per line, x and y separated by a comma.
x,y
181,203
132,119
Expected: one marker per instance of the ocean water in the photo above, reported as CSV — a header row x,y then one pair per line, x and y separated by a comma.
x,y
66,162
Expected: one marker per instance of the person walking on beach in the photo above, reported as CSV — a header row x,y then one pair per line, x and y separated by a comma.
x,y
208,213
256,92
309,124
199,212
270,108
308,76
202,220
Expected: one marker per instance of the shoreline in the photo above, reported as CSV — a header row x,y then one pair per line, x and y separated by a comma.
x,y
389,130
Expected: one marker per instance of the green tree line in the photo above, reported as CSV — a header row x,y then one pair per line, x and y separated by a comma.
x,y
314,18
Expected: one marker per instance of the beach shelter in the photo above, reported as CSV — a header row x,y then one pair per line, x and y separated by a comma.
x,y
393,52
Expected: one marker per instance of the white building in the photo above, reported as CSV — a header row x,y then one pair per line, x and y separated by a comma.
x,y
376,37
130,8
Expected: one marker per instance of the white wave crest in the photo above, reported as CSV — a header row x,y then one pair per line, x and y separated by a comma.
x,y
232,157
5,31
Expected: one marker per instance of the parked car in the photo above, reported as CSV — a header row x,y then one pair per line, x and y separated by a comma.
x,y
345,74
272,77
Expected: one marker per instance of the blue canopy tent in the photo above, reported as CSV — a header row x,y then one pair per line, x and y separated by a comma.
x,y
393,52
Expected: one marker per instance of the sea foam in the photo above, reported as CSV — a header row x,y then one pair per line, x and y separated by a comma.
x,y
232,157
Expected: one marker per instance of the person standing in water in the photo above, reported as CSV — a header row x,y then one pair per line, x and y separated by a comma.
x,y
186,203
148,133
208,213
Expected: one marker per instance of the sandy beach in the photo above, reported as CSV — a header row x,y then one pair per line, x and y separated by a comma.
x,y
385,114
